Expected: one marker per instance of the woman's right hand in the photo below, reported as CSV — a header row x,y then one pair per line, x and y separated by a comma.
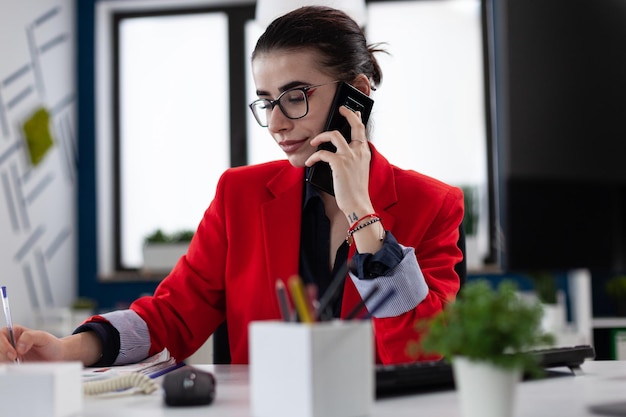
x,y
31,345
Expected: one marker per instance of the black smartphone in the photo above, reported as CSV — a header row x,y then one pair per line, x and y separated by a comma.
x,y
320,174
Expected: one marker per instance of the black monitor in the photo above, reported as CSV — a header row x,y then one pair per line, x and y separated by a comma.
x,y
558,73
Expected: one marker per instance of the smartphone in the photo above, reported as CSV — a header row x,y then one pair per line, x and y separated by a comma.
x,y
320,174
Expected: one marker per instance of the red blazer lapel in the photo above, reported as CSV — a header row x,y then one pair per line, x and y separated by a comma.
x,y
382,187
280,218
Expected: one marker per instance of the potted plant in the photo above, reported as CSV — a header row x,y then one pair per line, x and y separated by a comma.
x,y
487,334
544,284
82,308
161,250
471,220
470,201
616,290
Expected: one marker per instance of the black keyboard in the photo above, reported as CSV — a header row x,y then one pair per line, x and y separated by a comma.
x,y
437,375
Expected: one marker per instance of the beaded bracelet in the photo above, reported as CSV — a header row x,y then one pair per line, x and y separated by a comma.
x,y
357,227
356,223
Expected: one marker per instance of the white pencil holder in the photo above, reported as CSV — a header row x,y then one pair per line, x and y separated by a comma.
x,y
321,369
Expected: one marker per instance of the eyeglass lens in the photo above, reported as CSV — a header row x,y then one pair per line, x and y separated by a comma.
x,y
293,104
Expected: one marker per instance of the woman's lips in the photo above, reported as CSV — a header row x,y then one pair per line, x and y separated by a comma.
x,y
290,146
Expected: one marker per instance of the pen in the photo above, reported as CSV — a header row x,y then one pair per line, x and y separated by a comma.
x,y
331,292
283,302
7,316
357,309
380,303
164,371
297,293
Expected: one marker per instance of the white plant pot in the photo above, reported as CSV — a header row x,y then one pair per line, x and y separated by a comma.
x,y
553,318
60,321
472,253
161,257
484,389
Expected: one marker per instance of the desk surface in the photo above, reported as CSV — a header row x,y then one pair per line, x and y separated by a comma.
x,y
569,395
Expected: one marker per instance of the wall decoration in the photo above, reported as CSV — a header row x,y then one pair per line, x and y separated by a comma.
x,y
38,156
37,135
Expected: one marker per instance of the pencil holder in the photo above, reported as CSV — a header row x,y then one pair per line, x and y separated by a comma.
x,y
322,369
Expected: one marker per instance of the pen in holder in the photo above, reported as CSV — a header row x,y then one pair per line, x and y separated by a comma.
x,y
323,369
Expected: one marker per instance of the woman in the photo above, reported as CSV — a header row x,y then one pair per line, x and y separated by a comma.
x,y
267,223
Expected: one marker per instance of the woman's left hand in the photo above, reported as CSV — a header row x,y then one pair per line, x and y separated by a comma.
x,y
350,165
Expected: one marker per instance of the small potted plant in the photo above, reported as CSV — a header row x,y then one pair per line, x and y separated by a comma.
x,y
487,334
471,221
82,308
161,250
616,290
544,284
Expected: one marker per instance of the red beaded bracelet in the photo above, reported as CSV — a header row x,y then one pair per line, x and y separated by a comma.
x,y
356,223
354,228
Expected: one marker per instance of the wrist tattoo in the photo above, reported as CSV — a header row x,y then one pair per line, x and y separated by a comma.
x,y
353,217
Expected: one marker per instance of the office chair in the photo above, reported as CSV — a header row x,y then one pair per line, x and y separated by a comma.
x,y
221,346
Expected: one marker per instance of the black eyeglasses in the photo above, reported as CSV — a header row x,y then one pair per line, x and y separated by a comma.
x,y
294,103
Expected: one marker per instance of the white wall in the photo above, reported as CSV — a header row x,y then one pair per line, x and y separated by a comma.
x,y
37,203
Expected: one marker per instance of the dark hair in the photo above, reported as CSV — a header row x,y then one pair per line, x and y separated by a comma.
x,y
339,40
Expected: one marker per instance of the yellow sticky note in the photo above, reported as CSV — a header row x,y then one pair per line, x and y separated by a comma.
x,y
37,134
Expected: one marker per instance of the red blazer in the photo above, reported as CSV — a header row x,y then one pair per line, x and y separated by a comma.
x,y
249,236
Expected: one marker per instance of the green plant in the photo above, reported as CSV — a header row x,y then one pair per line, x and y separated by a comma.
x,y
545,286
616,290
182,236
470,201
84,303
486,324
616,287
158,236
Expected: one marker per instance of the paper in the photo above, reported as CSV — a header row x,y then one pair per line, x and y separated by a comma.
x,y
152,367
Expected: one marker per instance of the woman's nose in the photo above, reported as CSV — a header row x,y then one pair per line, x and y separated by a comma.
x,y
277,121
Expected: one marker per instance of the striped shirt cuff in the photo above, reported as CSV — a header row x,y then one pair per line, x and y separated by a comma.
x,y
406,279
134,336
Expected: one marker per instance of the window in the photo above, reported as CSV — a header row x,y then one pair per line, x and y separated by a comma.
x,y
168,78
429,113
174,135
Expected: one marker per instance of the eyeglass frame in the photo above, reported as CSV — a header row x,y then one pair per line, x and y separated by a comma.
x,y
276,102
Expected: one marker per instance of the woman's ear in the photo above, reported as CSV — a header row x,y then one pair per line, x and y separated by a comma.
x,y
362,83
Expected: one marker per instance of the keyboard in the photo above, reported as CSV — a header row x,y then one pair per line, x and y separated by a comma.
x,y
437,375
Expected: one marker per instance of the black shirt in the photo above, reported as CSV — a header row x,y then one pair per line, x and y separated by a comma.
x,y
315,250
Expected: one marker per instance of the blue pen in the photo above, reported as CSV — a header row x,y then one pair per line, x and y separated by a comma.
x,y
380,303
166,370
7,316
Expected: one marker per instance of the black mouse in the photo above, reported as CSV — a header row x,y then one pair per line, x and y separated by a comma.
x,y
189,386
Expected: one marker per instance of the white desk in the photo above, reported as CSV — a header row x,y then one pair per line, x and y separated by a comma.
x,y
602,381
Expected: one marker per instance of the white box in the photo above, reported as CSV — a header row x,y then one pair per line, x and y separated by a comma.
x,y
41,389
311,370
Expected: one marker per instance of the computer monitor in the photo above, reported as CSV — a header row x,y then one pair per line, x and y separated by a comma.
x,y
558,72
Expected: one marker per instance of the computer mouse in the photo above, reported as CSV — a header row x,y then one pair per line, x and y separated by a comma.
x,y
189,386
